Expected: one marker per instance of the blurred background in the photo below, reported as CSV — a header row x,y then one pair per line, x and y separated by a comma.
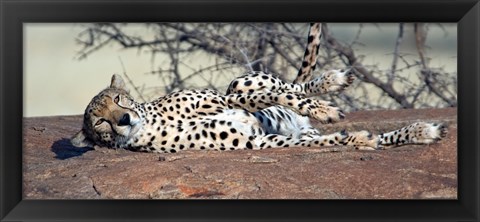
x,y
397,65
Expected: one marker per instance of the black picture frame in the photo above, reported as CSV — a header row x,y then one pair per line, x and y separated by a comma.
x,y
13,13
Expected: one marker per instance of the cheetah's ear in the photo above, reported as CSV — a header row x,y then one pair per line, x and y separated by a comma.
x,y
81,140
118,83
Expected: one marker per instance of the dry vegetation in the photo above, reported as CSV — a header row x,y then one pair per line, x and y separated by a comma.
x,y
212,54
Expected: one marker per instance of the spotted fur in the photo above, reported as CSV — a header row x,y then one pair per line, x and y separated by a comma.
x,y
258,112
193,119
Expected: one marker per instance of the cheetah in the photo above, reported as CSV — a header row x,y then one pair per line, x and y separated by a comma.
x,y
259,111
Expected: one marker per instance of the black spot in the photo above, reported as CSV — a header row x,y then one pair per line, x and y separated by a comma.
x,y
235,142
176,139
289,97
173,151
164,133
233,130
223,135
248,83
304,64
249,145
206,106
234,84
310,39
212,134
170,117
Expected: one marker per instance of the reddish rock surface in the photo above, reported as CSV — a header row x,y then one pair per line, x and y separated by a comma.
x,y
54,169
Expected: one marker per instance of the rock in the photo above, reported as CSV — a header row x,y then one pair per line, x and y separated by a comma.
x,y
54,169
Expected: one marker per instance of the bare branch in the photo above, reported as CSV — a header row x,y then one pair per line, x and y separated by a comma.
x,y
391,74
140,94
362,72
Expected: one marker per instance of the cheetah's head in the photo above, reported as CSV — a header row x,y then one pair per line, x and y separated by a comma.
x,y
111,118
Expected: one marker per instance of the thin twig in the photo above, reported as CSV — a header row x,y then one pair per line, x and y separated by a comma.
x,y
391,74
130,81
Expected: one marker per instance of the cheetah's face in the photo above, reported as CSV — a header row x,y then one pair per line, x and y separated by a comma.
x,y
110,118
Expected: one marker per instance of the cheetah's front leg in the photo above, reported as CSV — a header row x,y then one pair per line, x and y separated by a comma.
x,y
317,109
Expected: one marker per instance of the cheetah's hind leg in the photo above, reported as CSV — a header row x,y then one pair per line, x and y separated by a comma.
x,y
416,133
277,141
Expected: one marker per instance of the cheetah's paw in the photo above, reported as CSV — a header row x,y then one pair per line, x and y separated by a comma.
x,y
337,80
426,133
324,112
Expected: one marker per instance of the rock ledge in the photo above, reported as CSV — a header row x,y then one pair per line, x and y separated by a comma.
x,y
54,169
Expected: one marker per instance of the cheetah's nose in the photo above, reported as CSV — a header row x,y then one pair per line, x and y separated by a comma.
x,y
125,120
